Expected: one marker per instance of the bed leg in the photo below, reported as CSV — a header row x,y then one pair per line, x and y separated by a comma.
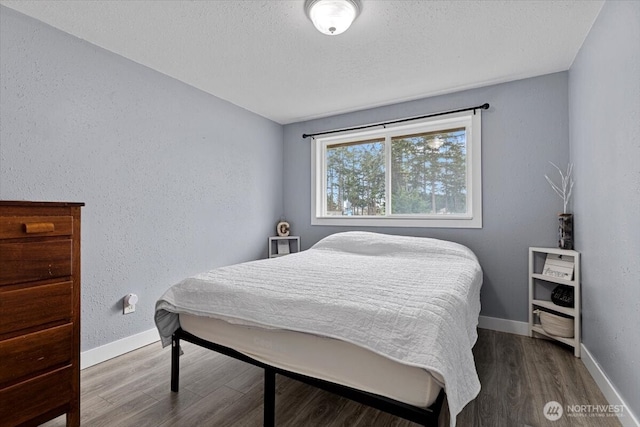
x,y
175,362
269,398
441,411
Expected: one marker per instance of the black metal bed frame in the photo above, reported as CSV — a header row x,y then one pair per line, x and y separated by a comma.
x,y
424,416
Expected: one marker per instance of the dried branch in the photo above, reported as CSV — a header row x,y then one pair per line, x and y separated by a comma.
x,y
565,189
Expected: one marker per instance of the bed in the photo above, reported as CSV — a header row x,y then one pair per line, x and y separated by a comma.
x,y
385,320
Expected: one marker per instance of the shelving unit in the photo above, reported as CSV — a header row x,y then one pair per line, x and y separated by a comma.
x,y
540,290
292,243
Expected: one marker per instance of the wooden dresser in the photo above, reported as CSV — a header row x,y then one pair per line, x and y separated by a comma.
x,y
39,312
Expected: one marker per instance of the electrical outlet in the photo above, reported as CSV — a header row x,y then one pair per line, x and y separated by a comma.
x,y
129,308
129,303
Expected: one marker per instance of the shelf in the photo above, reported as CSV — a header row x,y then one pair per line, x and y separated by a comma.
x,y
554,307
539,297
568,341
557,251
292,245
544,277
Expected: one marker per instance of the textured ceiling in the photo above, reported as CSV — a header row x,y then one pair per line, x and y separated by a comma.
x,y
267,57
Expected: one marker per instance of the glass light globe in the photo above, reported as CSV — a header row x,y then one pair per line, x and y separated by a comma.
x,y
332,17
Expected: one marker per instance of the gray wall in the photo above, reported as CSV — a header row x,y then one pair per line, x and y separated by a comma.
x,y
526,126
604,105
175,181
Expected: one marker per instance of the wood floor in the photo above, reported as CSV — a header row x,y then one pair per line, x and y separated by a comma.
x,y
519,375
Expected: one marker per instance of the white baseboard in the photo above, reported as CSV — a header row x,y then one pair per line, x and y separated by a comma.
x,y
114,349
503,325
609,391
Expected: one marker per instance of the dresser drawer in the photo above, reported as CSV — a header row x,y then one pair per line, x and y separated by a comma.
x,y
12,227
35,352
30,261
37,305
42,394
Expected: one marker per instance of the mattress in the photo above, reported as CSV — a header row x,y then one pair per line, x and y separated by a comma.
x,y
320,357
412,300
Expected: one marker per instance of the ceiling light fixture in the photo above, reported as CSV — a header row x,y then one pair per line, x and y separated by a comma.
x,y
332,17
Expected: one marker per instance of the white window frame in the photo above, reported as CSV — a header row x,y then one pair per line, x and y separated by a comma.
x,y
470,120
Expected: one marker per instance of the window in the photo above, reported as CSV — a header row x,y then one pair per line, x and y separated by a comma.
x,y
422,174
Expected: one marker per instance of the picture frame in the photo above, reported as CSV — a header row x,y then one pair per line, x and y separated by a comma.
x,y
559,266
283,247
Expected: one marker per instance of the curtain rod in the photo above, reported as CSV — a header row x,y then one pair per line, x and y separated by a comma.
x,y
484,106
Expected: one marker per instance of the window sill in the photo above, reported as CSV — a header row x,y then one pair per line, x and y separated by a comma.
x,y
455,222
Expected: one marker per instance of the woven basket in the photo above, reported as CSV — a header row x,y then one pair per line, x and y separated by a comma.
x,y
555,325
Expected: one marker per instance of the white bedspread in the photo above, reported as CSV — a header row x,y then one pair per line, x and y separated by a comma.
x,y
414,300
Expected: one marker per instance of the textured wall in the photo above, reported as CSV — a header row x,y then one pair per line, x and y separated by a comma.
x,y
526,126
604,105
175,181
